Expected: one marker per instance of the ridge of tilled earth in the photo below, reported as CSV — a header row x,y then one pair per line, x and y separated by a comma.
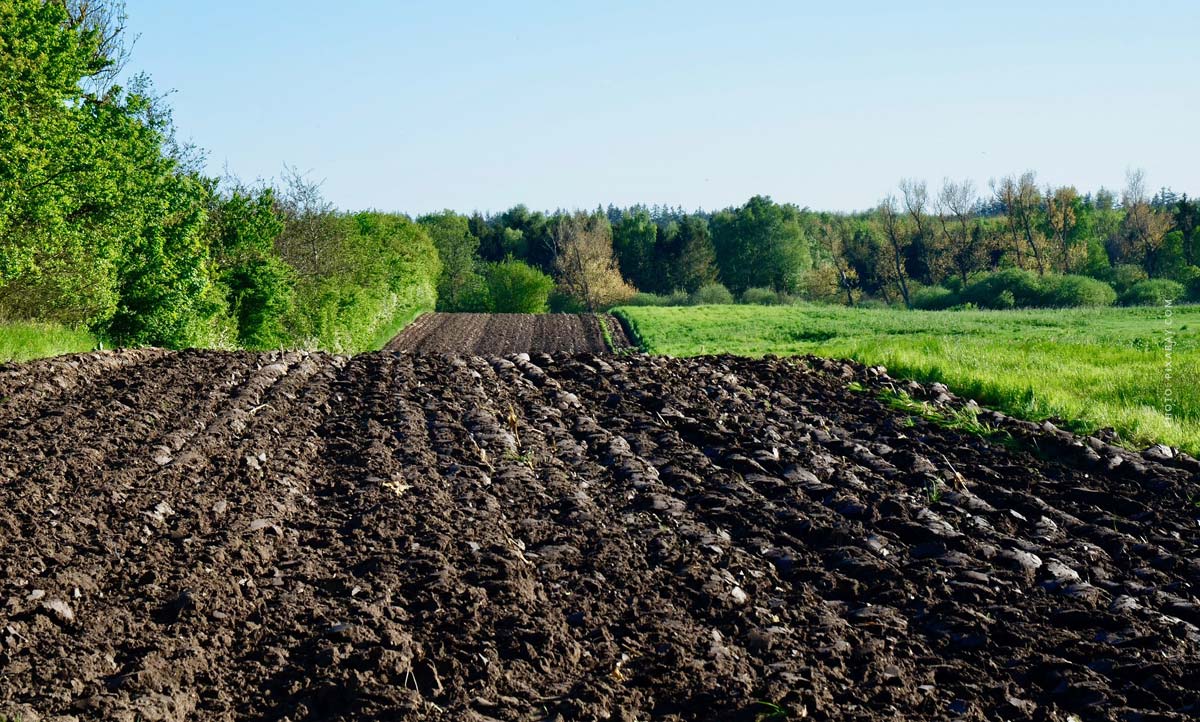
x,y
218,536
497,334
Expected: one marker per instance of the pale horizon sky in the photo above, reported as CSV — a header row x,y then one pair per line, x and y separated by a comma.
x,y
420,106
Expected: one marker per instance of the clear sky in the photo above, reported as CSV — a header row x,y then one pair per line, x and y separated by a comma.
x,y
419,106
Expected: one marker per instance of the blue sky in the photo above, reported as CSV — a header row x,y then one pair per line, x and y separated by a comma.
x,y
418,106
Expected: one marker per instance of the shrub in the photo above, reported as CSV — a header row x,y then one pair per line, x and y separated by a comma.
x,y
1075,291
934,298
382,270
561,302
517,287
762,297
711,294
646,299
674,298
1124,277
678,297
1189,277
1152,292
822,284
260,293
1010,288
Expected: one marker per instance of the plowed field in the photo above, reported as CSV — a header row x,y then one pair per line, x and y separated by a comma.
x,y
217,536
496,334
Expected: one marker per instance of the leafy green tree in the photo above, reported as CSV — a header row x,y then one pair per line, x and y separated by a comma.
x,y
1186,219
516,287
458,251
635,236
760,244
691,260
163,273
258,285
50,190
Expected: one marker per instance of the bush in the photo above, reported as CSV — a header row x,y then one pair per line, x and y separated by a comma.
x,y
711,294
1076,291
517,287
260,293
1124,277
1010,288
762,297
1189,277
646,299
383,270
561,302
1154,292
674,298
934,298
822,285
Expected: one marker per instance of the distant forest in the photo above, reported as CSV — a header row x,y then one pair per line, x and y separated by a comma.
x,y
1016,244
109,222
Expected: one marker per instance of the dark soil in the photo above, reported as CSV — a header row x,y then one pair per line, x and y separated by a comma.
x,y
216,536
496,334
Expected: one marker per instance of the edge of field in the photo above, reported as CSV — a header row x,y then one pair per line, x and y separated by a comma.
x,y
1085,370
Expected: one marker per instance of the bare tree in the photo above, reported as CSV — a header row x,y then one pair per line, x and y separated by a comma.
x,y
916,201
108,20
956,209
1029,204
893,231
1022,201
1141,233
311,235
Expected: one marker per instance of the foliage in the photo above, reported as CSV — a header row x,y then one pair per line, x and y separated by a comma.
x,y
459,284
987,290
258,286
1096,367
1154,292
1123,277
675,298
585,266
763,297
760,244
1075,291
712,293
934,298
163,274
1189,277
516,287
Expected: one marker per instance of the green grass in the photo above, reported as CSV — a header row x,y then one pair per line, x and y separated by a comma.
x,y
23,340
1088,367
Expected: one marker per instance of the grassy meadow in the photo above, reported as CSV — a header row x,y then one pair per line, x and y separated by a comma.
x,y
22,341
1089,368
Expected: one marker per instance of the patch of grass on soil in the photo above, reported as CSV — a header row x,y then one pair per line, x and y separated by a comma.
x,y
23,340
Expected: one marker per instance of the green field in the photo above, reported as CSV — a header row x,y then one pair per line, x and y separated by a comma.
x,y
1090,368
22,341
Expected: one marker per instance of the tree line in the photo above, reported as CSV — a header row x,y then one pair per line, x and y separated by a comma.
x,y
1017,244
108,221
